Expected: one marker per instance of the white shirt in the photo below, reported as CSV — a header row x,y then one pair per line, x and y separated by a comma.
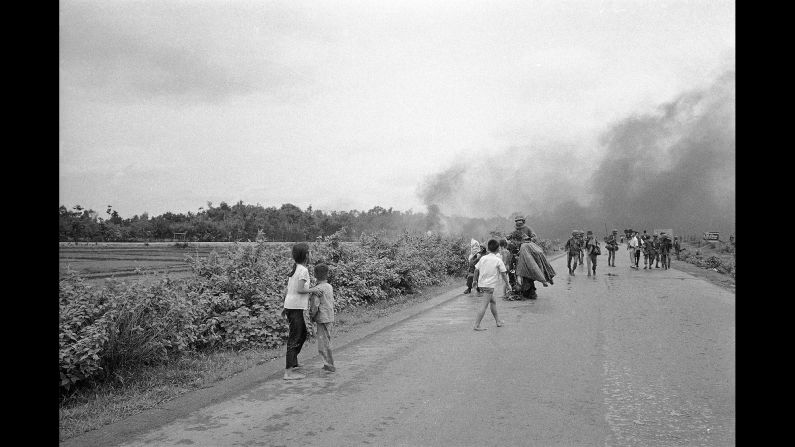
x,y
633,242
490,267
295,300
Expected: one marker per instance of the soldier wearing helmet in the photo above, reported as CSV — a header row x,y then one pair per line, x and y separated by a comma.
x,y
611,243
573,251
581,238
522,231
665,250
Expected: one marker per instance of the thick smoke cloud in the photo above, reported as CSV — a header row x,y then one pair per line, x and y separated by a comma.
x,y
672,168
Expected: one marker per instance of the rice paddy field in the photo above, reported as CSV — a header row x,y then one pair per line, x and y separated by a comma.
x,y
99,261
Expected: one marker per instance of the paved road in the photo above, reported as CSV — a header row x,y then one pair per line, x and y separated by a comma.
x,y
627,358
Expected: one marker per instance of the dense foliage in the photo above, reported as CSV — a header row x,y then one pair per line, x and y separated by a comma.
x,y
232,300
241,222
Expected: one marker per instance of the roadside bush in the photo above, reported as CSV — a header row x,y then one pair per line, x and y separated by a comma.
x,y
549,245
233,300
81,332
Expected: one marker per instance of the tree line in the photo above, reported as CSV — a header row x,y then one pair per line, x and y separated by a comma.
x,y
239,222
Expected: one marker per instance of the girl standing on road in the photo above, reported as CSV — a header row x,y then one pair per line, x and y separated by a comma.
x,y
296,300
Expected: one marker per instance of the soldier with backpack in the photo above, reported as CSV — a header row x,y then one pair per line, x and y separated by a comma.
x,y
573,250
581,239
611,243
655,243
592,250
665,250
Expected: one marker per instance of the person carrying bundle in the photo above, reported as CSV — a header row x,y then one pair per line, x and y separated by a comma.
x,y
531,265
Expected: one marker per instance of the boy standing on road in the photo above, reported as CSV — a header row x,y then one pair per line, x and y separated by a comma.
x,y
322,313
488,272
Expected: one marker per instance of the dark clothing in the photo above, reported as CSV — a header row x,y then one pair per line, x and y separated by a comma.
x,y
611,244
569,257
297,337
665,245
526,231
473,260
528,289
612,247
573,246
532,263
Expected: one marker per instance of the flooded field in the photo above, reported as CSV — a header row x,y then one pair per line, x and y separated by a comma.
x,y
99,261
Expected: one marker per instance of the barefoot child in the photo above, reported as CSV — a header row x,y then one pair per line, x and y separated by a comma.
x,y
488,272
323,315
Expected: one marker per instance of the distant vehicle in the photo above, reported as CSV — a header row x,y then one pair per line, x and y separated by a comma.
x,y
711,236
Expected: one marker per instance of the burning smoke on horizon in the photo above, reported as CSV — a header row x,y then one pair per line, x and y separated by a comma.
x,y
672,168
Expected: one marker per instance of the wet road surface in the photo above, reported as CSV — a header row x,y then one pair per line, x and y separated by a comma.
x,y
628,358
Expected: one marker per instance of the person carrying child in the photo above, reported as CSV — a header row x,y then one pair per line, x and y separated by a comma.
x,y
490,273
322,313
296,301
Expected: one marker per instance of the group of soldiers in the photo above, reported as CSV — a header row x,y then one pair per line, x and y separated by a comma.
x,y
583,248
656,249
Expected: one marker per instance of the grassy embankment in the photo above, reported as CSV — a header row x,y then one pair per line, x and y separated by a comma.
x,y
713,261
129,391
146,388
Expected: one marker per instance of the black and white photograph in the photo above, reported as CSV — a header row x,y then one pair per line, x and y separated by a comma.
x,y
397,223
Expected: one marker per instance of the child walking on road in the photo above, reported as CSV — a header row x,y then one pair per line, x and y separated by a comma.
x,y
296,300
490,272
322,311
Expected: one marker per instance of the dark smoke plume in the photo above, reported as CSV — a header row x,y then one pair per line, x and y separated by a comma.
x,y
672,168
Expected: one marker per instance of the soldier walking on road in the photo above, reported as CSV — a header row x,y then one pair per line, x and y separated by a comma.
x,y
572,251
665,250
655,245
645,242
612,247
677,246
592,250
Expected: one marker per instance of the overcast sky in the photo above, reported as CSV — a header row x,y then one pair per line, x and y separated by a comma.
x,y
166,105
